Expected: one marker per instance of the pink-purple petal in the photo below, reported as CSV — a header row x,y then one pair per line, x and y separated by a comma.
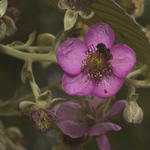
x,y
108,87
77,85
68,111
70,55
100,33
102,128
117,107
124,59
72,128
103,142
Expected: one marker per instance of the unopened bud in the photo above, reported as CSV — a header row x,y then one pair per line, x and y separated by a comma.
x,y
133,113
45,39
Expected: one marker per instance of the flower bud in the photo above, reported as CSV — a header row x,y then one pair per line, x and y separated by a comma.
x,y
133,113
45,39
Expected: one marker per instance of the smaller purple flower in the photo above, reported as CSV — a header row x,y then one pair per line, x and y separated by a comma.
x,y
96,65
75,124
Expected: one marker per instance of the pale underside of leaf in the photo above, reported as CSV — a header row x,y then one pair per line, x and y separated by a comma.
x,y
3,7
70,19
126,29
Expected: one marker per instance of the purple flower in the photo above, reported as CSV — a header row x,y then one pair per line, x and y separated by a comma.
x,y
74,124
96,65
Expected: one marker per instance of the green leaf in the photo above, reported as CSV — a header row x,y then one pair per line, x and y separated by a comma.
x,y
3,7
126,29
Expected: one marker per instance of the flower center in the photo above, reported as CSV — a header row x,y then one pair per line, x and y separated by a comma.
x,y
79,4
41,119
97,64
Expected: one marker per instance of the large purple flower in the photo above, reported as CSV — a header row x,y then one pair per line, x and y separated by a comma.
x,y
96,65
75,124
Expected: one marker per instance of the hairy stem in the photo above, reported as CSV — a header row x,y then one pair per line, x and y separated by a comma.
x,y
138,71
35,89
34,49
25,56
138,83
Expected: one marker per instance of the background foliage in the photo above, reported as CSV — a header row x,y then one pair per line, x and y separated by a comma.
x,y
39,16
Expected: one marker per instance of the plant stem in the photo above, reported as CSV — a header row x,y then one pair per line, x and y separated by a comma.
x,y
34,49
139,83
25,56
138,71
35,89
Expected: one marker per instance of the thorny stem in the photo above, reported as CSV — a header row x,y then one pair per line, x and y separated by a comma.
x,y
25,56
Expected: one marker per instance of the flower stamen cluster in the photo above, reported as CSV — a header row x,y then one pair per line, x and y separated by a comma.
x,y
42,119
96,65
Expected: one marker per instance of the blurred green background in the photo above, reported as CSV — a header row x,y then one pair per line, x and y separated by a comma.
x,y
37,15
